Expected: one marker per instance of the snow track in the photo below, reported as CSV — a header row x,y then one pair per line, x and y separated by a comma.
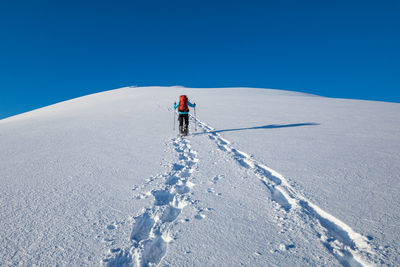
x,y
349,247
151,230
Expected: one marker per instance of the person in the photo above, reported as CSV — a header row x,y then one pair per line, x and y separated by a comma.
x,y
183,111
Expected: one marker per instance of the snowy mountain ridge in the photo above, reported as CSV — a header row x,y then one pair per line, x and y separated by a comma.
x,y
82,99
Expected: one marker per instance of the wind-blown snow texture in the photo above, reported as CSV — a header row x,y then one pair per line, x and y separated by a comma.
x,y
270,177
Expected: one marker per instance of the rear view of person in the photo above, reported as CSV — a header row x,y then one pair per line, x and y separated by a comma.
x,y
183,111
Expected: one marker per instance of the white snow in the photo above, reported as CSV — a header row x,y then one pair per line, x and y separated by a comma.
x,y
270,178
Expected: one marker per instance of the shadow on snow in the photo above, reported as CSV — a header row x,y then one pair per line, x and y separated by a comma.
x,y
271,126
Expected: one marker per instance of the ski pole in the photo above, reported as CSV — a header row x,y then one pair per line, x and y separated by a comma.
x,y
174,115
195,120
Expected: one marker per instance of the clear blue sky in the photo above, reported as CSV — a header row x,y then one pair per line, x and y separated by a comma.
x,y
56,50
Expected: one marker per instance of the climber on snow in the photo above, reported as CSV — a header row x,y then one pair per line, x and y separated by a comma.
x,y
183,111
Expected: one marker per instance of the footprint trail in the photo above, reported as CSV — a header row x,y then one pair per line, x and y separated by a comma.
x,y
151,231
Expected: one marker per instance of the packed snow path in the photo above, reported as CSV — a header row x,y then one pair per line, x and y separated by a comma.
x,y
152,229
151,234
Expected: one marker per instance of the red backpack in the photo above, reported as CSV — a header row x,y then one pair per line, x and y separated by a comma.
x,y
183,104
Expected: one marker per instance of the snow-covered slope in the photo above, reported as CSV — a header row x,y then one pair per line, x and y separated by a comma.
x,y
269,177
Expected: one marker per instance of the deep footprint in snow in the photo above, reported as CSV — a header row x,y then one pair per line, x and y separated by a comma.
x,y
123,258
162,197
170,214
245,163
153,251
181,189
172,180
186,173
177,167
142,227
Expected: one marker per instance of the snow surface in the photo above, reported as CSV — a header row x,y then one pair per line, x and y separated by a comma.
x,y
269,178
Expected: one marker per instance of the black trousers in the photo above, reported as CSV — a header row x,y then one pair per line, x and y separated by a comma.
x,y
183,122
